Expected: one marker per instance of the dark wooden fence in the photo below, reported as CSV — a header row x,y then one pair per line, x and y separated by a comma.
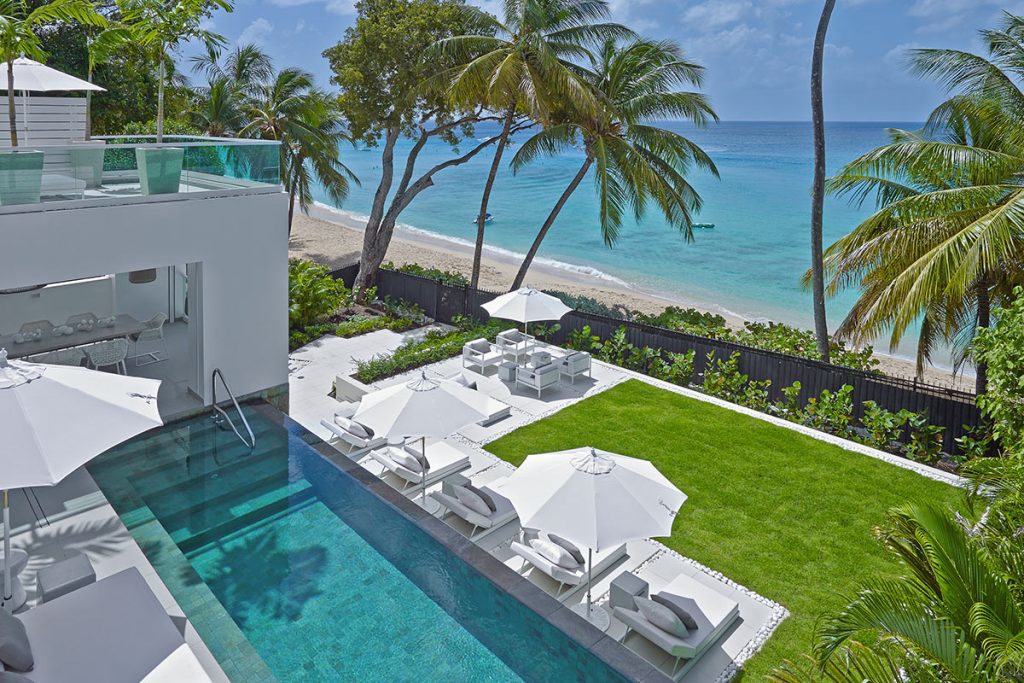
x,y
950,408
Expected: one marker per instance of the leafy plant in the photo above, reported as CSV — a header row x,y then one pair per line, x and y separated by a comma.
x,y
723,379
544,332
790,407
583,340
755,396
925,443
1001,350
587,304
445,277
677,368
312,292
832,411
687,320
976,442
883,427
436,345
615,350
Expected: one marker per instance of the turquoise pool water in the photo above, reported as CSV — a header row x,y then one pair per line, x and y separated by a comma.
x,y
290,569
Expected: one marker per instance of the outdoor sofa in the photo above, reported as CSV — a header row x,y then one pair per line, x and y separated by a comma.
x,y
570,579
114,631
495,512
712,613
410,468
481,354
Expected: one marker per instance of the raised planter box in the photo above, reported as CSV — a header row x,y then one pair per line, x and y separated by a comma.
x,y
21,176
159,169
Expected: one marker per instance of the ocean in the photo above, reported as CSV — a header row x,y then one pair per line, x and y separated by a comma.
x,y
750,264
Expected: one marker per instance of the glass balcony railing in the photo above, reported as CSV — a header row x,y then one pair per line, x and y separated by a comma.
x,y
123,167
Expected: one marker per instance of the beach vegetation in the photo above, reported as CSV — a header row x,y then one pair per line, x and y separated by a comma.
x,y
445,277
312,292
831,411
941,248
524,67
21,25
588,304
1001,349
635,162
882,428
779,512
384,79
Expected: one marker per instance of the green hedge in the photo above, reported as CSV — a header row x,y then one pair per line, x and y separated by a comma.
x,y
436,346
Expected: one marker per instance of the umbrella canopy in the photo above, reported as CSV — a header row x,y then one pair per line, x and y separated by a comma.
x,y
421,408
526,305
31,76
54,419
593,498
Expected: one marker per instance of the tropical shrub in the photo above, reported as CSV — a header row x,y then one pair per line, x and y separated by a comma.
x,y
882,428
723,379
975,442
615,350
687,320
312,293
445,277
790,407
587,304
676,368
925,444
436,345
583,340
832,411
544,332
1001,350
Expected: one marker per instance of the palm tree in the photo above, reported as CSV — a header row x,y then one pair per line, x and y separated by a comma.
x,y
522,65
955,614
220,109
19,22
247,66
311,129
160,27
818,189
944,243
635,162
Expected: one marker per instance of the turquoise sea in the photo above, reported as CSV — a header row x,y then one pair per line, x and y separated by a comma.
x,y
749,264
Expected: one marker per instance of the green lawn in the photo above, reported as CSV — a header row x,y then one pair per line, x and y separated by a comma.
x,y
781,513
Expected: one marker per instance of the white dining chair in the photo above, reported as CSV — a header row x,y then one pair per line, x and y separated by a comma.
x,y
153,335
106,353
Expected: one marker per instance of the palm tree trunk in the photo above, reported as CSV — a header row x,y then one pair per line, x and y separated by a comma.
x,y
984,321
818,191
291,207
11,112
481,219
160,98
532,253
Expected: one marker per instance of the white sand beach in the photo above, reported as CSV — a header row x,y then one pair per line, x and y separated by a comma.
x,y
335,238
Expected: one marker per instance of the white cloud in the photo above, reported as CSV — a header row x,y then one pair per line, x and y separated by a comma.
x,y
256,32
714,14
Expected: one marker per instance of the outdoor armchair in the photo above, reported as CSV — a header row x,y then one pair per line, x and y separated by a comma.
x,y
515,343
538,379
480,353
575,364
106,353
713,613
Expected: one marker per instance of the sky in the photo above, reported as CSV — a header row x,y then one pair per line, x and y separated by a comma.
x,y
757,52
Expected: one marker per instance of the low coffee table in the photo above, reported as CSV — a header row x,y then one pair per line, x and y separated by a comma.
x,y
507,371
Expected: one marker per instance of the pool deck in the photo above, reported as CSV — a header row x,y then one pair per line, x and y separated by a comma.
x,y
74,518
313,370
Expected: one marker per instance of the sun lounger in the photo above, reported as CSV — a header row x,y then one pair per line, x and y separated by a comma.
x,y
570,580
443,461
359,437
114,630
481,523
495,409
713,613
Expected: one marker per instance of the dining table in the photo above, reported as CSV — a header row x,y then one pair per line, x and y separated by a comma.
x,y
124,326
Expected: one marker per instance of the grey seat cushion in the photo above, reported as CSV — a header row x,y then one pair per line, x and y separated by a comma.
x,y
15,649
684,616
481,346
484,496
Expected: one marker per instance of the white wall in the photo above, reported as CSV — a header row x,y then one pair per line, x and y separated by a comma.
x,y
51,120
142,300
56,303
241,243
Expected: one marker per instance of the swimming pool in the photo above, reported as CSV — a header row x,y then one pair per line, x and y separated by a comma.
x,y
292,569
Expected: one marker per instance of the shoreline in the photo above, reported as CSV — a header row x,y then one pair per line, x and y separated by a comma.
x,y
334,237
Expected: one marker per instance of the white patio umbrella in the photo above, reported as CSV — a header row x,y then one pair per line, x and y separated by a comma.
x,y
419,409
31,76
593,498
526,305
55,418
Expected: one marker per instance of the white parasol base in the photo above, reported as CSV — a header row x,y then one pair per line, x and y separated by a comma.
x,y
598,616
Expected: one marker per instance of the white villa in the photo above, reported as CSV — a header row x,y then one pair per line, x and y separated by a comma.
x,y
209,255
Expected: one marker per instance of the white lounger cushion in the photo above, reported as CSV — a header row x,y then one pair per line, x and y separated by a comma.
x,y
503,513
572,577
712,611
114,630
351,439
444,461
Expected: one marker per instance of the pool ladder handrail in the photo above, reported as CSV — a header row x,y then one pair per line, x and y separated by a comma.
x,y
251,443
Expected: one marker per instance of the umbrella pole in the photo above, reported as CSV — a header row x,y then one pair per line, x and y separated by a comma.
x,y
590,578
7,551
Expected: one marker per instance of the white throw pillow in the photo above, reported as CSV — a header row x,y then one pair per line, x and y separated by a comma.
x,y
554,553
576,553
406,460
471,500
661,616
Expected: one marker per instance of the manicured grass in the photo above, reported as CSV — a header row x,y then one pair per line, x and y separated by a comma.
x,y
786,515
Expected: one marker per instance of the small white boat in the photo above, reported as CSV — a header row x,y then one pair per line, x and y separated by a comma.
x,y
703,226
488,217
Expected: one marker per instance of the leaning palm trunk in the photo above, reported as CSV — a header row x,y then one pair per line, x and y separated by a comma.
x,y
984,321
818,191
535,247
13,117
160,98
481,219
